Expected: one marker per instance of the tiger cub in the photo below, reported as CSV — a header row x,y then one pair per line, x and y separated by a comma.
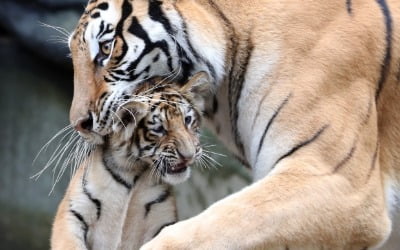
x,y
116,199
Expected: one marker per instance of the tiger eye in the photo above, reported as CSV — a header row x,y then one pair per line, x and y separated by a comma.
x,y
106,48
188,119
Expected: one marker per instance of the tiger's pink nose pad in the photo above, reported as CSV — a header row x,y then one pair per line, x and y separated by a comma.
x,y
84,125
185,158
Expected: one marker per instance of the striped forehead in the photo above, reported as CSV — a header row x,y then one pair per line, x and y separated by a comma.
x,y
103,18
171,102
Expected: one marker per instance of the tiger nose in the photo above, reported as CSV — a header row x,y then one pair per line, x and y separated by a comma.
x,y
84,124
186,156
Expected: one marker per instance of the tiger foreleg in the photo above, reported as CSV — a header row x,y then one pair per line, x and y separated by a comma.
x,y
68,233
70,228
292,209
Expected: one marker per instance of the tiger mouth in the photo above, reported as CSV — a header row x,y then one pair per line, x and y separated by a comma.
x,y
177,169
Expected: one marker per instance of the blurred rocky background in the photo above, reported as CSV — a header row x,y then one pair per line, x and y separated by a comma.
x,y
35,94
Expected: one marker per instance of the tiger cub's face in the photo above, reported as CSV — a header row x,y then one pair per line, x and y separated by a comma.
x,y
162,129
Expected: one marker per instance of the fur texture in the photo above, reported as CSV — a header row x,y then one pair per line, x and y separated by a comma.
x,y
306,94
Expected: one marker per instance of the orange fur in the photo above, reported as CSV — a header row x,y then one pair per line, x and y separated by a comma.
x,y
325,74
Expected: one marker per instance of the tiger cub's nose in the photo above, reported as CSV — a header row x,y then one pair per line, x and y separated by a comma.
x,y
185,156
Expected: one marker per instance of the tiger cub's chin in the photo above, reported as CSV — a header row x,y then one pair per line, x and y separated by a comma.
x,y
175,176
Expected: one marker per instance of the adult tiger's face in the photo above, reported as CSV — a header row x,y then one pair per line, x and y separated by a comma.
x,y
119,44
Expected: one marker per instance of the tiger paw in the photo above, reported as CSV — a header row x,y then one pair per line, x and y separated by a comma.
x,y
181,236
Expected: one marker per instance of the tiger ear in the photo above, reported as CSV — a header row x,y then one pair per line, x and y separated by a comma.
x,y
138,109
198,85
197,88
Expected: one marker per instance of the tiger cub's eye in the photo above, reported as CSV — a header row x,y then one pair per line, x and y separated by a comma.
x,y
188,119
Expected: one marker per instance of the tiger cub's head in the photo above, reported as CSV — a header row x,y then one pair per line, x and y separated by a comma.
x,y
161,128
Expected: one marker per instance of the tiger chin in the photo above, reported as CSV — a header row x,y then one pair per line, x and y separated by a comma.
x,y
121,195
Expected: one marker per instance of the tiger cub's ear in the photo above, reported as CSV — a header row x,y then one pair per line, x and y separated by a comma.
x,y
138,109
198,84
132,112
198,87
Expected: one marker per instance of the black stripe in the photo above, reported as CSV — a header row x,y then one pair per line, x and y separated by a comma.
x,y
183,54
162,227
187,40
220,13
108,79
126,12
210,68
235,88
349,7
259,109
302,144
101,107
104,30
95,15
114,175
215,105
186,63
236,68
373,162
102,6
388,54
228,24
101,29
95,201
345,159
398,73
369,112
137,29
107,114
85,226
271,121
157,15
163,197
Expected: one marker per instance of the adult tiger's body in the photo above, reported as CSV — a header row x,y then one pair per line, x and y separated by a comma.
x,y
308,88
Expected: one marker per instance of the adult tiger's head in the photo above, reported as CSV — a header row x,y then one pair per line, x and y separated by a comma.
x,y
118,44
162,130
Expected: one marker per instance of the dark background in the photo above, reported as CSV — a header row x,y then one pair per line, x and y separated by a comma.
x,y
35,94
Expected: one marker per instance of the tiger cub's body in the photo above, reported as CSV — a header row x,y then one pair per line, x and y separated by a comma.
x,y
101,211
119,197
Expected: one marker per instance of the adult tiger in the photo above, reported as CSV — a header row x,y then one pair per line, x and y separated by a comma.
x,y
309,90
